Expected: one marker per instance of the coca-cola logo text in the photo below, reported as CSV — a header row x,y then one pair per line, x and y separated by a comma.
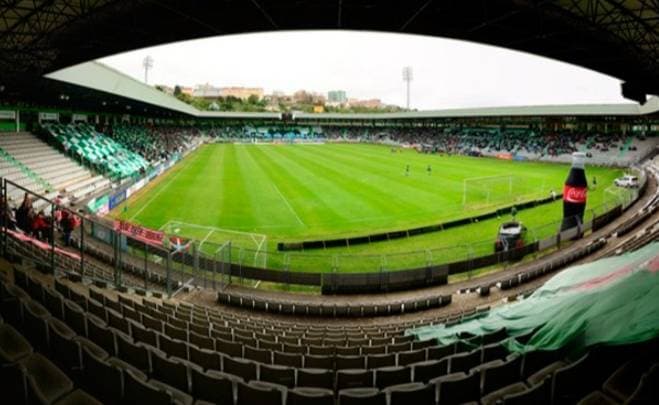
x,y
574,194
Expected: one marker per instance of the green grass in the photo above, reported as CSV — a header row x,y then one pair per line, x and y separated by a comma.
x,y
258,195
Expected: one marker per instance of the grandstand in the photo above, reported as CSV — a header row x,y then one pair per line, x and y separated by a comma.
x,y
98,306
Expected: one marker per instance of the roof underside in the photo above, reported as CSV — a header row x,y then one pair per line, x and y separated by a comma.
x,y
616,37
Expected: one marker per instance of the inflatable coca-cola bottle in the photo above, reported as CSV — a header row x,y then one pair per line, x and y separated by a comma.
x,y
574,193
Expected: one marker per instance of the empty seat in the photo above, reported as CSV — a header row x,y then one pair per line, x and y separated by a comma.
x,y
311,377
98,333
394,375
326,362
213,386
45,381
281,375
427,370
536,394
246,369
232,349
78,397
143,335
173,347
350,362
464,361
288,359
310,396
381,360
362,396
207,359
499,376
140,391
507,391
13,346
171,371
411,393
458,388
622,383
439,352
65,350
354,378
35,324
134,353
101,378
412,356
256,392
258,355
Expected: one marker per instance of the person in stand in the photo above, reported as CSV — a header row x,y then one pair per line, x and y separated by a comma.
x,y
23,219
40,226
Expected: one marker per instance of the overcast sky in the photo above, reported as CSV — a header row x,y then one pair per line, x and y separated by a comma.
x,y
447,73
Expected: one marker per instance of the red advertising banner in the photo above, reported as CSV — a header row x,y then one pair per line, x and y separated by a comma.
x,y
505,156
139,232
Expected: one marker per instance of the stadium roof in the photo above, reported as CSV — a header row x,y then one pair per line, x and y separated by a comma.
x,y
106,80
616,37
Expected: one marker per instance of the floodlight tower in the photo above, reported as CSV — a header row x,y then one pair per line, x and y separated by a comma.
x,y
407,78
147,63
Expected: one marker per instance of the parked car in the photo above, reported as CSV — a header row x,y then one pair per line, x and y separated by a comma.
x,y
626,181
510,236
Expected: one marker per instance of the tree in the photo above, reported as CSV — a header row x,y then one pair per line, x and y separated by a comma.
x,y
253,99
177,90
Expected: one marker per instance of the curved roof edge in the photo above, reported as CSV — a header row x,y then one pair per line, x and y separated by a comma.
x,y
97,76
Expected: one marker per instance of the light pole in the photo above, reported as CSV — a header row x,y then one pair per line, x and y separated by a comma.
x,y
147,63
407,78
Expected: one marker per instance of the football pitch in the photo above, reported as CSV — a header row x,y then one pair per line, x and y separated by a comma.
x,y
258,195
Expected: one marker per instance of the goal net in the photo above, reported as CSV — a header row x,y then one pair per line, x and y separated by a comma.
x,y
248,248
502,190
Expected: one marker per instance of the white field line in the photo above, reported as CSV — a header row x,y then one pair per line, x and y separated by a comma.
x,y
290,207
214,228
153,197
206,237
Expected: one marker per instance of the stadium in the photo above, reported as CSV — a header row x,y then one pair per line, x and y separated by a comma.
x,y
154,252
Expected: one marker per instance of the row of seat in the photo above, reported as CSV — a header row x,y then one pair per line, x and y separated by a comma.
x,y
536,377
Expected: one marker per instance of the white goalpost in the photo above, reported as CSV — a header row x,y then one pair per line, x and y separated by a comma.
x,y
248,246
489,191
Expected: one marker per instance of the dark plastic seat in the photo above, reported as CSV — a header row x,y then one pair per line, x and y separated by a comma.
x,y
354,378
101,378
457,389
326,362
35,324
439,352
140,391
178,396
232,349
310,396
54,303
288,359
497,396
45,381
412,356
350,362
213,386
13,346
78,397
319,378
135,353
536,360
246,369
623,382
99,333
171,371
536,394
411,393
207,359
258,355
500,376
395,375
427,370
255,393
362,396
465,361
64,349
494,351
281,375
381,360
203,342
173,347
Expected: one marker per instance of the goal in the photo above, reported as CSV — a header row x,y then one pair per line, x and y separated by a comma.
x,y
248,248
501,190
